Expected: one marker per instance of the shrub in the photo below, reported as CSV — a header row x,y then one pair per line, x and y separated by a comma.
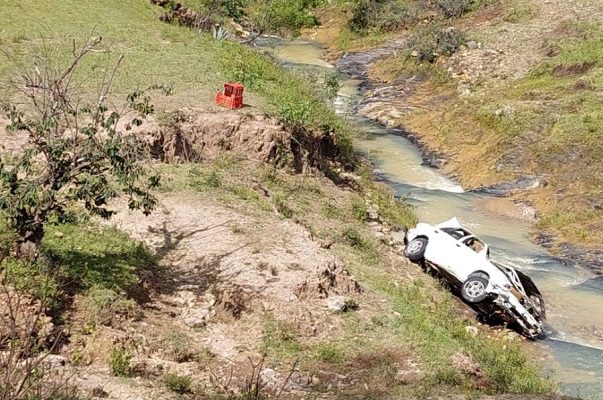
x,y
88,165
283,16
119,361
454,8
177,383
388,15
431,42
359,209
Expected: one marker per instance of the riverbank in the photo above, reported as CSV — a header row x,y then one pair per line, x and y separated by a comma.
x,y
475,113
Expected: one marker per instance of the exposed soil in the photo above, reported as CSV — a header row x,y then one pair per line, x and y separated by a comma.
x,y
201,134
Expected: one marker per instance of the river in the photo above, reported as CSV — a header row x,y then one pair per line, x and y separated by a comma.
x,y
572,353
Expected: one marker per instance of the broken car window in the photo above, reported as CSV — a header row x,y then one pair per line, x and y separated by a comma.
x,y
475,244
456,233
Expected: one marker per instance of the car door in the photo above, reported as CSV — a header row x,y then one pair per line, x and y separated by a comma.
x,y
471,255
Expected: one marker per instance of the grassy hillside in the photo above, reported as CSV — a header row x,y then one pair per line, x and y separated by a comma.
x,y
157,53
242,234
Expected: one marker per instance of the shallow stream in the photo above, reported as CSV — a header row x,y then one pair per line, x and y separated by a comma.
x,y
573,350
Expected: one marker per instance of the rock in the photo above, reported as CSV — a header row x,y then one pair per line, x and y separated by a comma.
x,y
373,214
336,303
269,378
505,189
405,377
197,311
99,392
472,44
471,330
414,53
54,361
197,317
398,237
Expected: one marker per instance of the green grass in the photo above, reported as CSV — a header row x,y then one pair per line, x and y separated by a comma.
x,y
178,383
89,255
159,53
436,332
119,361
520,13
154,52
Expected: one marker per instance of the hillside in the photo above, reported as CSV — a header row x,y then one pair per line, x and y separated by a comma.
x,y
272,266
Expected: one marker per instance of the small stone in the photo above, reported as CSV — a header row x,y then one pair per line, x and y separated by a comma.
x,y
472,44
414,53
472,330
373,214
336,303
54,361
398,237
405,376
99,392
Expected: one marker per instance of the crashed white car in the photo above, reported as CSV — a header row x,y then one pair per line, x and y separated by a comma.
x,y
464,260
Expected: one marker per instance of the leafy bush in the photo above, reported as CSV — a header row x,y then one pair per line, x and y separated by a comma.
x,y
119,361
454,8
282,16
177,383
88,165
431,42
383,15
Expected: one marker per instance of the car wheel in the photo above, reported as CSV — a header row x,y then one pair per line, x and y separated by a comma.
x,y
415,249
474,288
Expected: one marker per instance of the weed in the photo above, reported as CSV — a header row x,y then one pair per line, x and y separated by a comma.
x,y
520,13
236,228
331,211
178,383
119,361
205,180
180,347
456,8
279,338
359,209
282,207
103,306
359,242
329,352
432,41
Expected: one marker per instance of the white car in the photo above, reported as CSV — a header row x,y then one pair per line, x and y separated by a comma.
x,y
464,260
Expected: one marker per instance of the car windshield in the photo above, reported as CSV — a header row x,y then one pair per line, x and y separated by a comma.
x,y
456,233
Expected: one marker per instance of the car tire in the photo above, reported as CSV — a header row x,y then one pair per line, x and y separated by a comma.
x,y
474,288
415,249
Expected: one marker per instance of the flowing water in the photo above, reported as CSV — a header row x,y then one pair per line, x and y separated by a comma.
x,y
573,350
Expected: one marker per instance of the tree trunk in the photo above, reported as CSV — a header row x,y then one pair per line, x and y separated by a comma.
x,y
28,245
